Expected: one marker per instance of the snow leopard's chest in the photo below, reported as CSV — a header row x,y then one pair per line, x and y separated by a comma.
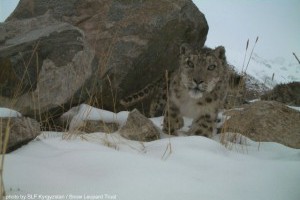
x,y
193,108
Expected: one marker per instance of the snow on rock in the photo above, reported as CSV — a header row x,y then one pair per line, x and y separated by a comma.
x,y
6,112
85,112
295,108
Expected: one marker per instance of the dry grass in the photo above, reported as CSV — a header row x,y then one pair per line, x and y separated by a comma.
x,y
168,150
229,138
95,99
4,136
296,57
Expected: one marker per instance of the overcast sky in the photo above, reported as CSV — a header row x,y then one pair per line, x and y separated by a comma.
x,y
232,22
6,7
276,22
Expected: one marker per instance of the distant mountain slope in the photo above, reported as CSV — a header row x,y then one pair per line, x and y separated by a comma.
x,y
269,72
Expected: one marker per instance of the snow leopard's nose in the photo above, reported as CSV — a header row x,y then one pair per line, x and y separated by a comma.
x,y
197,82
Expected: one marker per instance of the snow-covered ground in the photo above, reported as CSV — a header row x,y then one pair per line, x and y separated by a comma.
x,y
197,168
107,166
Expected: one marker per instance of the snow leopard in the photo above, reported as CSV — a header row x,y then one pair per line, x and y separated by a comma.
x,y
196,89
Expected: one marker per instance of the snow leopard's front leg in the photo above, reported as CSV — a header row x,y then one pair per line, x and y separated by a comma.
x,y
172,119
203,125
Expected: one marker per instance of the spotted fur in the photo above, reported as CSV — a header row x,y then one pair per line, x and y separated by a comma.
x,y
197,89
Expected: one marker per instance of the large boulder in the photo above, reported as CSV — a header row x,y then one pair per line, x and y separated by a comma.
x,y
132,39
266,121
46,67
20,131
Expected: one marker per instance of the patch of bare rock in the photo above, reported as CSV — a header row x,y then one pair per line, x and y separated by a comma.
x,y
266,121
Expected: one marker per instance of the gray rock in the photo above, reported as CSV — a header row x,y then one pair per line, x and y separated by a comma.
x,y
2,34
46,67
266,121
135,41
288,93
92,126
139,128
21,131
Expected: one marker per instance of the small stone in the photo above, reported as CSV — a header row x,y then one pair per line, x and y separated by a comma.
x,y
21,131
139,128
92,126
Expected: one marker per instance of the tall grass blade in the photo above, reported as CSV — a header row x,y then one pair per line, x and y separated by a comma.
x,y
247,45
296,57
251,53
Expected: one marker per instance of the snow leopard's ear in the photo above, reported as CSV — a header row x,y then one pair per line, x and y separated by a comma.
x,y
220,52
185,49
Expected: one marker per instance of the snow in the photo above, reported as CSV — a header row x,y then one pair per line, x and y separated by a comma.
x,y
86,112
269,72
109,166
196,168
296,108
6,112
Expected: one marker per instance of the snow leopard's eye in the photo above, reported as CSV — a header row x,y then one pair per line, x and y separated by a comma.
x,y
190,64
211,67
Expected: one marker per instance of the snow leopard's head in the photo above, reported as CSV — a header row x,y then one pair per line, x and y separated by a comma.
x,y
200,71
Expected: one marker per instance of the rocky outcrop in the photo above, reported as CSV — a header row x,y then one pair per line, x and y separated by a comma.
x,y
46,67
131,39
20,131
288,93
266,121
139,128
